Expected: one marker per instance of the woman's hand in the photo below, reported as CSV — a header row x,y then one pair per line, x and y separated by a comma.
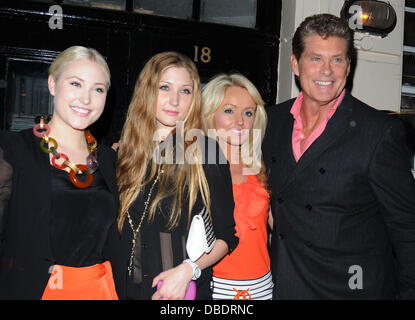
x,y
115,146
176,280
270,219
175,283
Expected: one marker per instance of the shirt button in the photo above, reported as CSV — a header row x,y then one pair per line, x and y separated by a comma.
x,y
309,206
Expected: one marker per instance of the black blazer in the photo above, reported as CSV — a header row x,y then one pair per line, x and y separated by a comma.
x,y
25,249
346,211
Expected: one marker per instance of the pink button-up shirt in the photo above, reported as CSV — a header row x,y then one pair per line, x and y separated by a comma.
x,y
298,134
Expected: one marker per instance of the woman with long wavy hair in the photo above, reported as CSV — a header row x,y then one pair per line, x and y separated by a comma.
x,y
161,189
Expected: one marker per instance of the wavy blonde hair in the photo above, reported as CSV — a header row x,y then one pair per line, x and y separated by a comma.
x,y
212,97
136,168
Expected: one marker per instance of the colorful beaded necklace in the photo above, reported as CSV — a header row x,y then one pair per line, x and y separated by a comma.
x,y
42,130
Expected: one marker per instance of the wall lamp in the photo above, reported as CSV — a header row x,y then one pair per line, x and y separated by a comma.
x,y
371,16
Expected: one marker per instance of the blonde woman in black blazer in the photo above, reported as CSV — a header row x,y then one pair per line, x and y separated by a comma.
x,y
54,225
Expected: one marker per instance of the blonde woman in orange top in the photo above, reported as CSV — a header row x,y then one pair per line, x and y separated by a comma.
x,y
234,114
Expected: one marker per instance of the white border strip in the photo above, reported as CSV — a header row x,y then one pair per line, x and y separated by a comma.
x,y
408,89
409,49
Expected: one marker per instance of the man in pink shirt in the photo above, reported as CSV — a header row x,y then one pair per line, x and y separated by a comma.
x,y
342,192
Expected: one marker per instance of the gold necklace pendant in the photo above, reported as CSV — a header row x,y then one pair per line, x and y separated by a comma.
x,y
137,230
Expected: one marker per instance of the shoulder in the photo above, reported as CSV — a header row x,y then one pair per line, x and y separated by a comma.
x,y
210,152
214,162
280,108
277,114
374,127
107,151
279,121
369,117
11,136
15,144
107,154
213,157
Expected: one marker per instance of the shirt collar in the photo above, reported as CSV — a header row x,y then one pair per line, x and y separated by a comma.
x,y
296,108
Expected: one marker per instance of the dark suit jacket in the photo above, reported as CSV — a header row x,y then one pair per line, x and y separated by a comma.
x,y
25,251
344,215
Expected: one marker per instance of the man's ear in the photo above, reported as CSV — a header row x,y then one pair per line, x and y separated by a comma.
x,y
51,85
294,64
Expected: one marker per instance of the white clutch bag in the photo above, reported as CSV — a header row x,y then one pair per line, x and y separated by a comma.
x,y
201,237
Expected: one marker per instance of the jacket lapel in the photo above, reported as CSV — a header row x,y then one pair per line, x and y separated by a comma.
x,y
336,127
283,143
108,171
42,190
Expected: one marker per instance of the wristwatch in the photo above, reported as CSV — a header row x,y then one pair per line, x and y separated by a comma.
x,y
196,270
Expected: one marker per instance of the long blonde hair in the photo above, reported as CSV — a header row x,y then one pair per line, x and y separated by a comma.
x,y
212,97
182,181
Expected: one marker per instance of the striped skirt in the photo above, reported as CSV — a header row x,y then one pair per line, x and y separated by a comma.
x,y
253,289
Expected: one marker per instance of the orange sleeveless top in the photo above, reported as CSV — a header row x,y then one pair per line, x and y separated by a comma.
x,y
250,259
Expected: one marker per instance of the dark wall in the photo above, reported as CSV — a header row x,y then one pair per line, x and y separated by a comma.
x,y
128,39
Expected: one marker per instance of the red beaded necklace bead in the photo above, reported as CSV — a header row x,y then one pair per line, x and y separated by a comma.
x,y
42,130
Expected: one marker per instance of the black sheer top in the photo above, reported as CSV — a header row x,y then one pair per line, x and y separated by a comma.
x,y
80,219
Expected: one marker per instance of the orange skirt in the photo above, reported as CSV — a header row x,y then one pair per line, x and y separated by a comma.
x,y
87,283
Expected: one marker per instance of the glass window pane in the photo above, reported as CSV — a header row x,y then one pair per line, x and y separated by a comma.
x,y
409,34
85,3
232,12
408,103
106,4
28,93
408,76
171,8
410,3
109,4
47,1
